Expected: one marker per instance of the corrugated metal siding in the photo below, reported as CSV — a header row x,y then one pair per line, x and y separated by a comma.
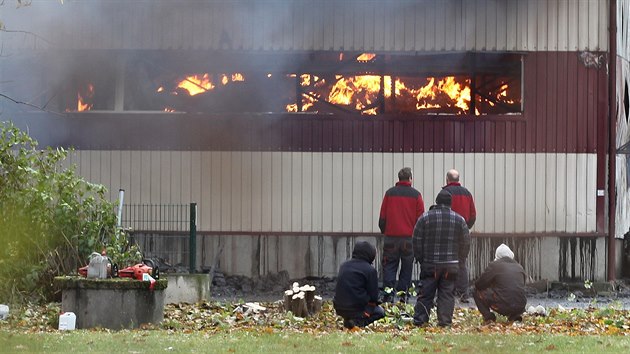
x,y
622,221
279,25
305,192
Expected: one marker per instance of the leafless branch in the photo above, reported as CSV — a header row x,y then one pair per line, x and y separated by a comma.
x,y
25,32
29,105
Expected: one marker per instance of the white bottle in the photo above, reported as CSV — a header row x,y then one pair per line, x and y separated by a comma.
x,y
67,321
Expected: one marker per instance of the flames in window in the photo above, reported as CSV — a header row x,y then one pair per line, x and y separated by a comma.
x,y
197,84
85,99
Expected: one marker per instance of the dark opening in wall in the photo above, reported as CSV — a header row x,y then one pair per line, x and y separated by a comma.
x,y
626,100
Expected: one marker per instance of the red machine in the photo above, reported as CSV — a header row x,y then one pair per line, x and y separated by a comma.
x,y
137,271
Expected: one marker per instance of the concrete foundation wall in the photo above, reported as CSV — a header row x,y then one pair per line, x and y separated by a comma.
x,y
189,288
113,309
550,258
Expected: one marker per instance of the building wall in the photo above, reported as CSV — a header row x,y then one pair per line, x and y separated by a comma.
x,y
302,25
310,192
622,219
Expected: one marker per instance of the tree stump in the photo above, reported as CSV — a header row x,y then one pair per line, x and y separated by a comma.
x,y
302,301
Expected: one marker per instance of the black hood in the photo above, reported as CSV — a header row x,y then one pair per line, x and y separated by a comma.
x,y
365,251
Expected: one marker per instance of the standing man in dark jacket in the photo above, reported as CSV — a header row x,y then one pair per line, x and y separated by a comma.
x,y
356,293
401,207
440,240
464,205
501,287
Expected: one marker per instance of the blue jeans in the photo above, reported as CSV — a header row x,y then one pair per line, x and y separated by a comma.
x,y
397,250
440,278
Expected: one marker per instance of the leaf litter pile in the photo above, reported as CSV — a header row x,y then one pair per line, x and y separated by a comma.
x,y
216,317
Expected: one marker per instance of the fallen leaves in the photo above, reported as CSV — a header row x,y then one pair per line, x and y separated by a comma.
x,y
269,318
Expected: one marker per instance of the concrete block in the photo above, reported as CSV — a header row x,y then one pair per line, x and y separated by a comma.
x,y
189,288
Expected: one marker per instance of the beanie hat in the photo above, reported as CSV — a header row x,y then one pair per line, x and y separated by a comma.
x,y
444,198
503,251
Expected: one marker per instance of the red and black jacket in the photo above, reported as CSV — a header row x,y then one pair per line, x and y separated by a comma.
x,y
462,203
401,208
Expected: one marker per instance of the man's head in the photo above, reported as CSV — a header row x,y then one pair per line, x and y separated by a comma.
x,y
452,176
365,251
444,198
405,174
503,251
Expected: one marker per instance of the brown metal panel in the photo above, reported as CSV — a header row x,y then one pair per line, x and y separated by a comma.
x,y
530,78
379,136
397,143
572,121
592,135
582,107
449,135
480,134
327,135
439,134
458,137
469,136
561,105
602,142
368,136
318,136
490,136
520,133
347,135
306,130
541,103
551,129
418,136
388,136
501,136
407,138
429,136
339,135
357,127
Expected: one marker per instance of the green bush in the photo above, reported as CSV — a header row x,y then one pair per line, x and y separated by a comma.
x,y
51,219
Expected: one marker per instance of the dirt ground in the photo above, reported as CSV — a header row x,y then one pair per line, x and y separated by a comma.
x,y
271,288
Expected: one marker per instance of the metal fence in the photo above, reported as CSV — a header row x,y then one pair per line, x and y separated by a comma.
x,y
164,232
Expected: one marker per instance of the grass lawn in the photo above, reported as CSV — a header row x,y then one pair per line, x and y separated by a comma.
x,y
241,341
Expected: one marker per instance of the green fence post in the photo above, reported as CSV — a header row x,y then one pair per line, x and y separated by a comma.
x,y
192,244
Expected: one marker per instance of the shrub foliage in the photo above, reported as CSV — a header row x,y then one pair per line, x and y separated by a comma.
x,y
51,219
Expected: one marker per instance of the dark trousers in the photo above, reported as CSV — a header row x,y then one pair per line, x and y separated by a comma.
x,y
397,250
440,278
486,299
461,285
363,318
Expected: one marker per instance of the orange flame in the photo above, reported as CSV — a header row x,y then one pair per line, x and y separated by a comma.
x,y
196,84
169,109
82,105
366,57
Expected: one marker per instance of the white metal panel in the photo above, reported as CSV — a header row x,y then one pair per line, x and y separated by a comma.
x,y
520,195
145,175
571,190
135,188
250,191
256,191
492,26
552,25
337,192
550,190
583,24
582,198
591,193
217,201
563,25
541,182
296,166
266,177
443,25
316,202
276,191
356,202
327,191
511,24
205,202
245,202
573,27
561,193
543,26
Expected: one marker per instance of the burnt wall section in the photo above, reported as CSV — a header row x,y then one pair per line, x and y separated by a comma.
x,y
565,108
539,256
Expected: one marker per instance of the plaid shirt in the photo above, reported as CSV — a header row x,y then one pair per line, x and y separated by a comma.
x,y
440,236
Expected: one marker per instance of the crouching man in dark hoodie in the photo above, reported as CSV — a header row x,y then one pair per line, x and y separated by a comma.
x,y
356,294
501,287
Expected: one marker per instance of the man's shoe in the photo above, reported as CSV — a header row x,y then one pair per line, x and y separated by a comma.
x,y
517,318
490,319
349,324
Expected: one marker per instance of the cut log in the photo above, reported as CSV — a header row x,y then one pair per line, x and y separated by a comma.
x,y
316,307
288,295
298,305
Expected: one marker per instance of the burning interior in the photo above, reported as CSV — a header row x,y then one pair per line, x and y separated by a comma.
x,y
318,83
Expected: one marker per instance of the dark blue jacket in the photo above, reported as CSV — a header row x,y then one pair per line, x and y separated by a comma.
x,y
357,282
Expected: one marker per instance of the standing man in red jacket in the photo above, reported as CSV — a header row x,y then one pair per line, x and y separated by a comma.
x,y
464,205
401,208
